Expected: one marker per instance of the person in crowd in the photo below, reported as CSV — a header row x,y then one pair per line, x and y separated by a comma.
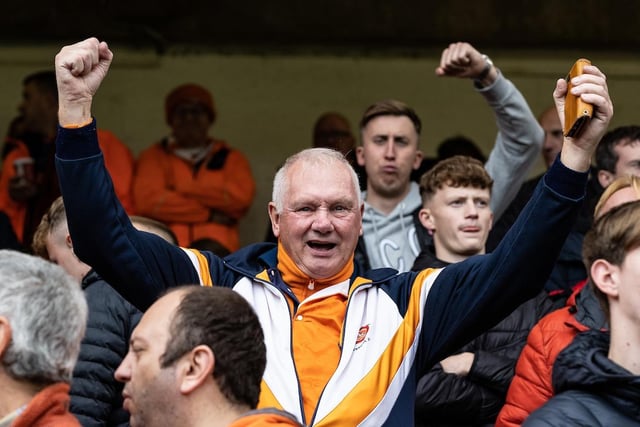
x,y
42,320
343,346
28,183
390,150
532,383
96,397
333,130
196,359
468,387
199,185
596,379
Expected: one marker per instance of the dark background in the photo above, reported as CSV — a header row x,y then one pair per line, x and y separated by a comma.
x,y
331,25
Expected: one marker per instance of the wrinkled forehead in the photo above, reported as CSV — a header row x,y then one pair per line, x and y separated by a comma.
x,y
328,181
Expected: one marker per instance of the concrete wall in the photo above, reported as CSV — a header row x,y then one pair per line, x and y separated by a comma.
x,y
268,103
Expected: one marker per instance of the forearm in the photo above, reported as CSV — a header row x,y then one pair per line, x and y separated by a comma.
x,y
139,265
518,142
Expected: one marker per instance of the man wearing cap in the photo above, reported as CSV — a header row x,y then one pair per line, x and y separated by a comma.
x,y
197,184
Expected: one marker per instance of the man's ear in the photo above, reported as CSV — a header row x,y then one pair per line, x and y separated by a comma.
x,y
606,277
274,216
418,161
5,335
360,155
605,178
424,215
194,368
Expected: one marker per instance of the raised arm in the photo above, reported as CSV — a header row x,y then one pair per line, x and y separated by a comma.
x,y
469,296
520,137
140,265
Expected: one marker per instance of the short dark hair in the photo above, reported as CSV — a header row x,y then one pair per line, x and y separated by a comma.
x,y
606,157
390,107
456,171
459,145
45,80
225,322
611,238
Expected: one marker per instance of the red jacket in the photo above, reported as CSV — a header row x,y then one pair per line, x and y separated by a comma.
x,y
187,196
50,407
531,386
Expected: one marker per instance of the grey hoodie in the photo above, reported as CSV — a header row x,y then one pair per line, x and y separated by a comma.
x,y
391,239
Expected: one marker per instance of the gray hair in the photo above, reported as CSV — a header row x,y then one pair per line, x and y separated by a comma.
x,y
47,311
313,157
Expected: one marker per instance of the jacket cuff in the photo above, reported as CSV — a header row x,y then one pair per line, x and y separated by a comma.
x,y
566,182
77,143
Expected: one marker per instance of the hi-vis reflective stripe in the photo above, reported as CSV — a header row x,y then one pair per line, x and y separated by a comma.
x,y
200,262
373,397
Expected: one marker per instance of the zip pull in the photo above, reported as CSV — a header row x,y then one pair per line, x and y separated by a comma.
x,y
312,284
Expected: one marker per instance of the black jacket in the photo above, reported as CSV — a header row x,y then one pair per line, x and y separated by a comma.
x,y
96,398
591,389
444,399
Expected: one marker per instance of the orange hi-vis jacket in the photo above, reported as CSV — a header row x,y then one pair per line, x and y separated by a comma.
x,y
118,160
188,196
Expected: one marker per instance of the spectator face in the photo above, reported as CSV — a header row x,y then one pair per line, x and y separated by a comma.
x,y
628,159
35,107
321,220
389,153
550,122
151,392
190,124
60,251
333,132
460,220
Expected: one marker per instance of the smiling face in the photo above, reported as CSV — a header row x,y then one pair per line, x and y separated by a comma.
x,y
389,153
151,392
459,219
320,220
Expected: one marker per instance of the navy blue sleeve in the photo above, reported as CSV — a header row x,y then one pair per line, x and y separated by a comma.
x,y
139,265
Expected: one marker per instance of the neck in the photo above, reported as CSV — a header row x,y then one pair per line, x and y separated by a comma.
x,y
213,410
447,256
15,394
383,203
625,344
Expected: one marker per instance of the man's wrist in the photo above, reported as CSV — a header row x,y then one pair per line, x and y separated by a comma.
x,y
488,74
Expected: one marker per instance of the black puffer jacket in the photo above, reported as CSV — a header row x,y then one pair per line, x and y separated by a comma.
x,y
96,398
444,399
591,390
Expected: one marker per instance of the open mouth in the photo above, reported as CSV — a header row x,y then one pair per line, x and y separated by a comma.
x,y
321,246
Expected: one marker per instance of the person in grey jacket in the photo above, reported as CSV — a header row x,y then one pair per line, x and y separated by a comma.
x,y
596,379
389,151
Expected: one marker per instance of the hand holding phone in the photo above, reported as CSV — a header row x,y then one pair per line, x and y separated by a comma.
x,y
577,113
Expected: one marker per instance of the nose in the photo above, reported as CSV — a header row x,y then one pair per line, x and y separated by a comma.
x,y
471,209
322,221
389,149
123,373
